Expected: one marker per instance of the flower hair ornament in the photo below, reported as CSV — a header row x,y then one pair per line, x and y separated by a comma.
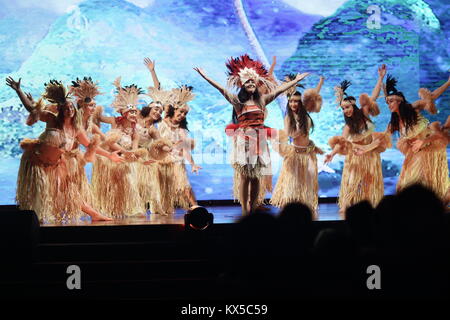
x,y
244,68
181,96
84,89
126,98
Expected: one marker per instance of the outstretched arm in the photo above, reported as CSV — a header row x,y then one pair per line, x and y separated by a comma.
x,y
104,119
26,99
84,140
338,147
436,93
151,67
268,98
216,85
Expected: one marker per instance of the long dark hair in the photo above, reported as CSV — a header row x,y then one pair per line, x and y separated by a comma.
x,y
407,114
244,96
145,111
358,121
170,114
302,114
60,117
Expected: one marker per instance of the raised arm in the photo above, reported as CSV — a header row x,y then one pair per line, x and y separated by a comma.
x,y
26,99
151,67
319,85
272,67
269,97
381,74
368,104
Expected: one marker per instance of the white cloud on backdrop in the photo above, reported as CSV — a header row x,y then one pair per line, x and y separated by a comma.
x,y
320,7
56,6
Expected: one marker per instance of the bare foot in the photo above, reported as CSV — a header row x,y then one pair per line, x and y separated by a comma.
x,y
99,217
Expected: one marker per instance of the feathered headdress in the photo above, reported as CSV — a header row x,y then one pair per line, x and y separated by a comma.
x,y
390,87
126,97
55,92
159,96
293,89
339,91
181,96
85,90
244,68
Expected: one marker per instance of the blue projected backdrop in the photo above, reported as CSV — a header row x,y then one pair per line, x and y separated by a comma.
x,y
104,39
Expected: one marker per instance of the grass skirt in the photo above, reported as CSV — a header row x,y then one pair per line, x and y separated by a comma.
x,y
55,192
428,167
298,180
362,179
116,189
169,191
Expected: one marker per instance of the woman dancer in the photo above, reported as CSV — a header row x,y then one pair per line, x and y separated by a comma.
x,y
250,156
49,176
150,140
362,177
423,145
121,197
175,189
298,181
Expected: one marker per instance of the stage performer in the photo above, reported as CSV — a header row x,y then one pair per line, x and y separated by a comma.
x,y
51,167
362,177
158,148
175,189
250,157
423,144
298,179
115,186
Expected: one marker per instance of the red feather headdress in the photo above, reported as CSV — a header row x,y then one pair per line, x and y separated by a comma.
x,y
244,68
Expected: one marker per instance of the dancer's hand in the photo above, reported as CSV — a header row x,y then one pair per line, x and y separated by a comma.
x,y
30,97
319,151
114,156
195,168
302,76
149,64
417,145
328,158
200,71
10,82
382,71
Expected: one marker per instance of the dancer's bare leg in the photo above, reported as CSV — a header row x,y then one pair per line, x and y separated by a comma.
x,y
243,194
254,193
191,197
96,216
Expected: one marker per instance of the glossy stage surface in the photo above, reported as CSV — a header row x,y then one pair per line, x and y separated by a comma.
x,y
222,215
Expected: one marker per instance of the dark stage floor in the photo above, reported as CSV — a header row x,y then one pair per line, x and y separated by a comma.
x,y
222,214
